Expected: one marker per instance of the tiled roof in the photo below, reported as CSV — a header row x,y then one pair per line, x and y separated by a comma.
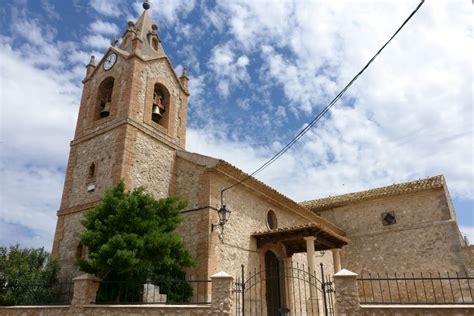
x,y
299,227
293,237
391,190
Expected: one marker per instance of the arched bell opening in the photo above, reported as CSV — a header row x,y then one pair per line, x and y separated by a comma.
x,y
104,98
161,105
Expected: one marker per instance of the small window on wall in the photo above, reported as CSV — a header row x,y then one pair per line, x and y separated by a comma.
x,y
160,106
104,98
388,218
272,220
92,171
90,182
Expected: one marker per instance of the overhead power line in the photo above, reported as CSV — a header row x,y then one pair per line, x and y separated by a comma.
x,y
323,111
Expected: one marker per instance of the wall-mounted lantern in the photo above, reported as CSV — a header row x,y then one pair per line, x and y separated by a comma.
x,y
224,215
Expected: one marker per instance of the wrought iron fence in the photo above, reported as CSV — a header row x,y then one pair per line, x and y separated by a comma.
x,y
34,293
283,290
166,291
420,288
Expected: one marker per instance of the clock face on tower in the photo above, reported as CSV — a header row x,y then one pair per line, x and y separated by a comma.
x,y
110,61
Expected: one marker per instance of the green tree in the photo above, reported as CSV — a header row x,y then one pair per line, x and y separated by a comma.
x,y
130,239
27,276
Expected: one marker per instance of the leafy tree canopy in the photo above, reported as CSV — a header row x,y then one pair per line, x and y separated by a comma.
x,y
130,237
27,276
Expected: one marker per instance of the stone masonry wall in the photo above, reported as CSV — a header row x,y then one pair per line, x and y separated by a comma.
x,y
249,212
192,183
424,238
87,122
72,228
146,76
150,166
99,150
103,152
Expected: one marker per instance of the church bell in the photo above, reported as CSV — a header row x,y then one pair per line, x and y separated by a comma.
x,y
106,110
156,113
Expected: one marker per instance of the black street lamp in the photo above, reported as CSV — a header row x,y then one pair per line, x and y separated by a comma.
x,y
224,215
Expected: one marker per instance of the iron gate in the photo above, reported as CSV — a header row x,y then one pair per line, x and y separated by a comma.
x,y
283,290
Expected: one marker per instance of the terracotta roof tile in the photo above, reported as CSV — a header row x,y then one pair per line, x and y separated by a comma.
x,y
391,190
314,226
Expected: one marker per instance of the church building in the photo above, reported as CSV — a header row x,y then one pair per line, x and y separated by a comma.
x,y
132,126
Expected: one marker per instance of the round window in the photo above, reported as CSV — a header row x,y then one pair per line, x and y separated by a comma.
x,y
272,220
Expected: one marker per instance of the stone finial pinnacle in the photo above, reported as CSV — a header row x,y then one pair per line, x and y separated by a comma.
x,y
185,72
146,4
92,61
114,41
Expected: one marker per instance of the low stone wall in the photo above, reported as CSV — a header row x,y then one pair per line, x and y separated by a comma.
x,y
119,310
35,310
416,310
85,289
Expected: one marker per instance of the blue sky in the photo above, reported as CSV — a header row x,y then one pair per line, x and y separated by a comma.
x,y
259,71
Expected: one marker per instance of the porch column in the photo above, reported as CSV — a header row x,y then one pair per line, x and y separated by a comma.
x,y
310,253
336,257
311,264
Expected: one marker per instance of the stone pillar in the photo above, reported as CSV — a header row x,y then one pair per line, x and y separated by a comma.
x,y
221,299
336,257
310,253
310,256
347,300
85,289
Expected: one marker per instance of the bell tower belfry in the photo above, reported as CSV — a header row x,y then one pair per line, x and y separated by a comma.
x,y
131,122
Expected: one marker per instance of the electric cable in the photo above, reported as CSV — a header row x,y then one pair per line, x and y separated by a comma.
x,y
323,111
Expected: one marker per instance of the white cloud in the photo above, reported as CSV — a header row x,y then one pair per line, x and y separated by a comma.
x,y
29,202
112,8
409,116
39,98
97,41
228,68
168,11
102,27
50,10
241,154
214,18
254,21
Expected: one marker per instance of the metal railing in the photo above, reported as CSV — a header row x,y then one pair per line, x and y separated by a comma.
x,y
34,293
283,289
169,291
419,288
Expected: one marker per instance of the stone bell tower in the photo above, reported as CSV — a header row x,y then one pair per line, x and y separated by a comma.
x,y
132,119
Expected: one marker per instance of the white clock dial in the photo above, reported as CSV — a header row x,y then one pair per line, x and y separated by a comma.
x,y
110,61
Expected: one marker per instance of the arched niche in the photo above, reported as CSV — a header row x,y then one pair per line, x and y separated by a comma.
x,y
160,105
104,98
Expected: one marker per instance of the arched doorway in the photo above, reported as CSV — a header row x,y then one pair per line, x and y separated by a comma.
x,y
274,284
